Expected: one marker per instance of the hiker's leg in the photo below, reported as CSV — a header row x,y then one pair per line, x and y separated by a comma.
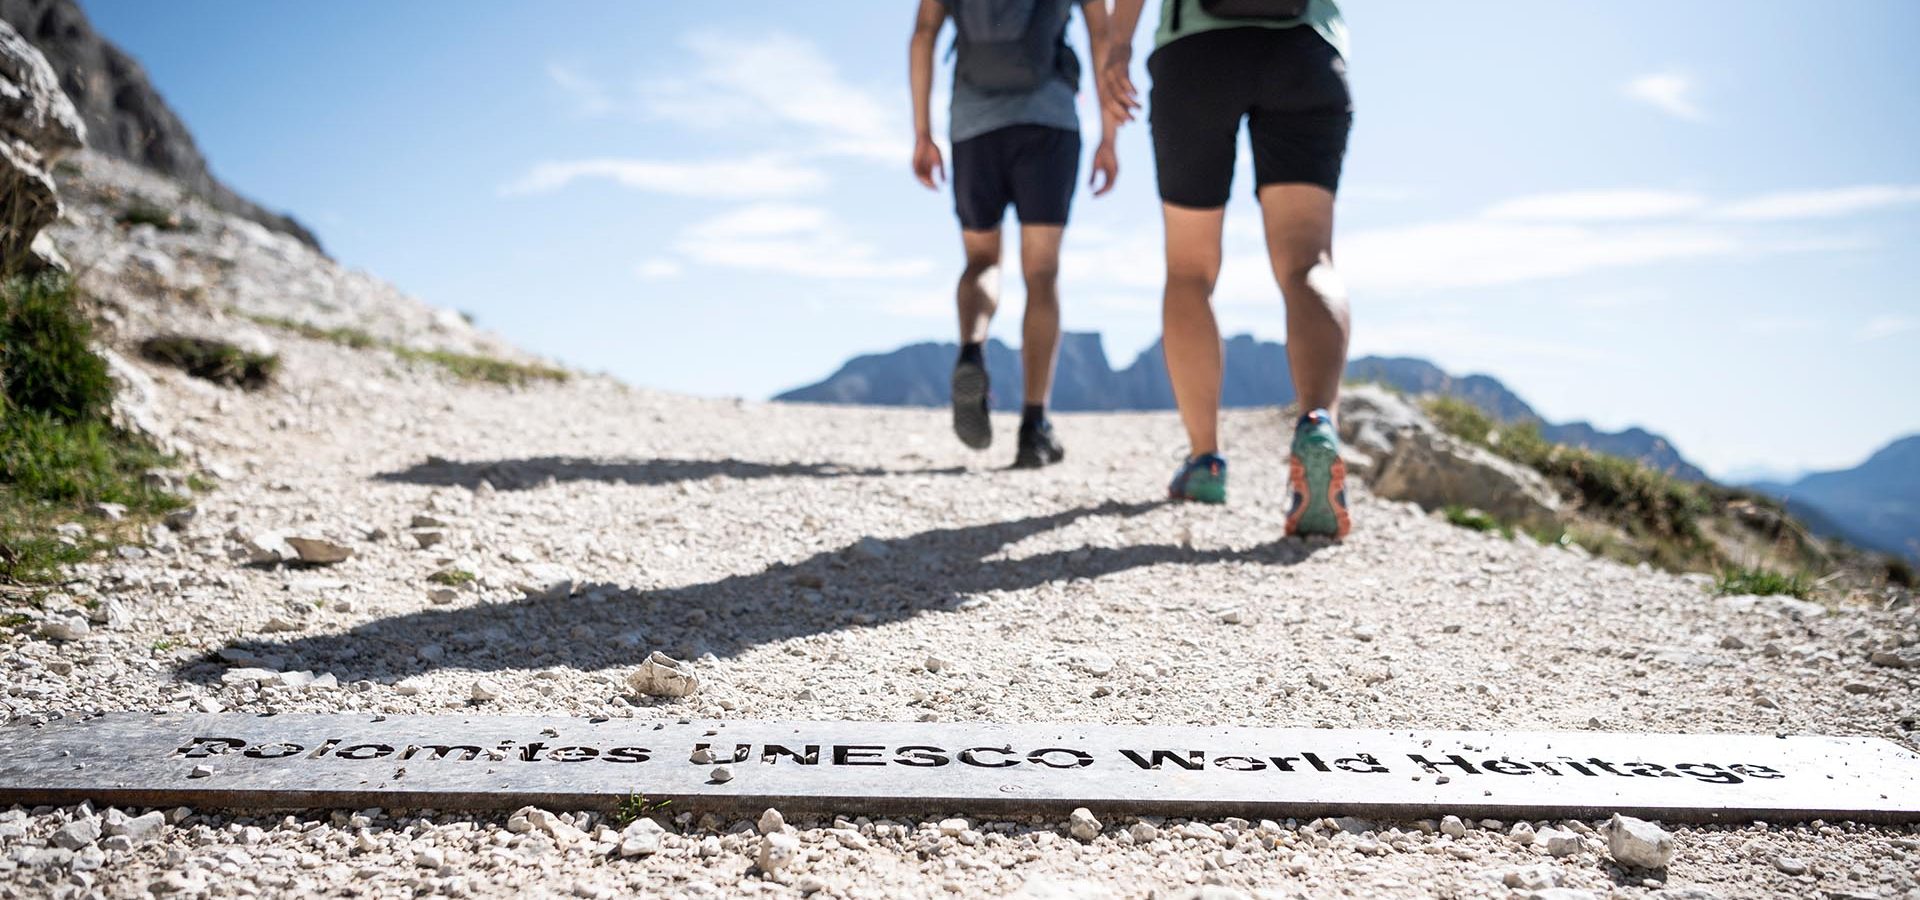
x,y
1040,337
978,294
1299,220
1191,338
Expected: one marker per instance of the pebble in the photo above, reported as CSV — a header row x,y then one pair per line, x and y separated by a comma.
x,y
642,837
777,851
1082,825
319,551
771,821
720,775
1452,826
486,690
1638,843
663,676
1791,865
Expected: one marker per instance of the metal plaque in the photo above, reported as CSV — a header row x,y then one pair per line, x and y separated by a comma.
x,y
504,762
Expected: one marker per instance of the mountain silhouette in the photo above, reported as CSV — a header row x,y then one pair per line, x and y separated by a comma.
x,y
1875,504
1256,375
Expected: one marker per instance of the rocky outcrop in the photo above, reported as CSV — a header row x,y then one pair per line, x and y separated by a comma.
x,y
1412,460
38,125
125,117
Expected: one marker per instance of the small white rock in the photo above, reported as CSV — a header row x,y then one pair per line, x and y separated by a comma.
x,y
777,851
486,690
1638,843
1082,824
771,821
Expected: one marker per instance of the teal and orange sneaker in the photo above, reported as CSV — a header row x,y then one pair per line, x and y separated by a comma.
x,y
1202,479
1319,479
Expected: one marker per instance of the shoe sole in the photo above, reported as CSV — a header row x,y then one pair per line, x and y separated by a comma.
x,y
1320,492
1211,492
1025,460
970,420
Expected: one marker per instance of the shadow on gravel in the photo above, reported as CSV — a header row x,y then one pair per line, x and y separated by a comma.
x,y
524,474
863,584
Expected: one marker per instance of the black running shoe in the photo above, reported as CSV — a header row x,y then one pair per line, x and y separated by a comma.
x,y
970,391
1038,447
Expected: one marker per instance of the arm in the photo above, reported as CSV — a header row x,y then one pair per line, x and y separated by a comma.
x,y
926,32
1106,162
1121,99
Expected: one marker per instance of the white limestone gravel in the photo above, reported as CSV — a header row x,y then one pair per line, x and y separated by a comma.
x,y
842,563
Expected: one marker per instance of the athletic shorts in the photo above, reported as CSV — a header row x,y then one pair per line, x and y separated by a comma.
x,y
1288,83
1033,167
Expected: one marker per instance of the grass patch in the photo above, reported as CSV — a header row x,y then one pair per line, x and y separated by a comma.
x,y
1660,512
1762,582
1475,520
345,337
451,577
471,367
213,360
464,366
144,213
634,807
58,451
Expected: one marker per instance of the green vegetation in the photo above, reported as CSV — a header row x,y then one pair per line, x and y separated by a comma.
x,y
1475,520
464,366
58,451
215,361
636,806
451,577
1659,512
144,213
345,337
470,367
1762,582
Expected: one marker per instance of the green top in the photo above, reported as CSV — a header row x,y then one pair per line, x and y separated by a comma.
x,y
1322,15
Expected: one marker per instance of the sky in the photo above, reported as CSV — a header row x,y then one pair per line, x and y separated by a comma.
x,y
1694,217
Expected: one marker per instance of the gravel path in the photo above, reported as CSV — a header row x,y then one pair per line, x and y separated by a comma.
x,y
842,563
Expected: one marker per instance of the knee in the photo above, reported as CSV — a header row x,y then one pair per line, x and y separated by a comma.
x,y
1041,276
980,265
1189,280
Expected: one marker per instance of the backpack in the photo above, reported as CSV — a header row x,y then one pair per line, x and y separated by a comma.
x,y
1004,46
1246,9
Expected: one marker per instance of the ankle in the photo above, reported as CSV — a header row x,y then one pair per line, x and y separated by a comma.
x,y
1033,415
973,352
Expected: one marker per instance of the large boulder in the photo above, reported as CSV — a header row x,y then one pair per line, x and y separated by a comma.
x,y
1435,471
1373,418
38,124
33,109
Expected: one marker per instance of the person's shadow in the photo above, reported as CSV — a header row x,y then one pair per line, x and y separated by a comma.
x,y
866,583
523,474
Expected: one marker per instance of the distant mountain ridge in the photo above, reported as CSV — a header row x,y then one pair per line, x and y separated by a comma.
x,y
1256,375
1875,504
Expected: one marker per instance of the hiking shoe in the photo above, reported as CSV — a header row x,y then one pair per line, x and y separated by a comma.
x,y
1319,479
1038,446
1202,479
970,391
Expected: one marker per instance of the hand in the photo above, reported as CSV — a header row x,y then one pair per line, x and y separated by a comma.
x,y
1106,169
1117,83
927,164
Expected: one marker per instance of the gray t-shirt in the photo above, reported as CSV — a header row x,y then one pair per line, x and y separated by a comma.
x,y
975,112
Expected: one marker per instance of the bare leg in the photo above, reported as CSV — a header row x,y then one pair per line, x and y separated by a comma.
x,y
978,294
1299,219
1191,337
1040,338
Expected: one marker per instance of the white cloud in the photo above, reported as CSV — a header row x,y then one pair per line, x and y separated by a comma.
x,y
1597,206
1886,326
778,79
1822,204
790,240
755,177
1669,92
1475,253
658,268
588,95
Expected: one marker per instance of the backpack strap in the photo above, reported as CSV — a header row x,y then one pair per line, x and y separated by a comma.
x,y
1176,15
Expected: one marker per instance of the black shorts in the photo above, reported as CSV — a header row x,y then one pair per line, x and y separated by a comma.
x,y
1288,83
1033,167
